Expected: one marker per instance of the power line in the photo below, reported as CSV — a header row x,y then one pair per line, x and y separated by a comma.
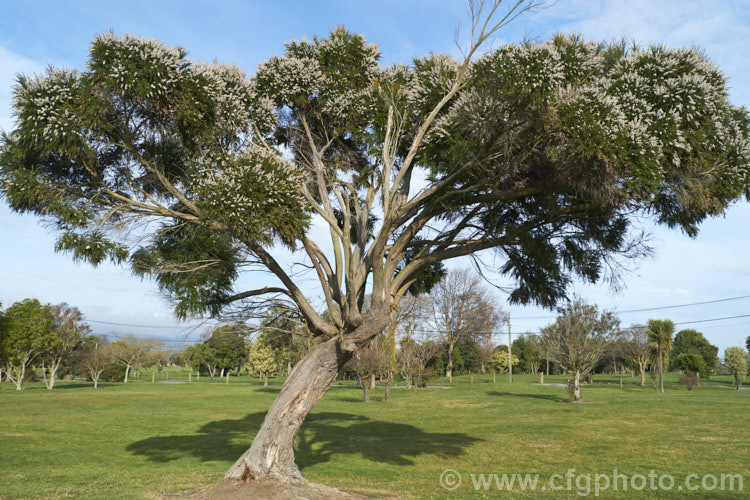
x,y
130,324
645,309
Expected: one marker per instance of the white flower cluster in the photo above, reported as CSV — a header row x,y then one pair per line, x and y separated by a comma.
x,y
246,191
292,76
43,104
652,99
139,64
232,92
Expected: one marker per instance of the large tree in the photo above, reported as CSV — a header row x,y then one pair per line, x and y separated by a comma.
x,y
538,152
693,342
27,328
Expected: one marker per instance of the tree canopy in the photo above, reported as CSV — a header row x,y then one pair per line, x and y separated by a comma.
x,y
693,342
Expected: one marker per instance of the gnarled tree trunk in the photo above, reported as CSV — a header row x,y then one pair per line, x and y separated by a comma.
x,y
271,456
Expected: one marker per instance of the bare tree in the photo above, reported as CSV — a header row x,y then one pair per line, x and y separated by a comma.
x,y
131,351
462,308
367,363
637,349
580,336
96,361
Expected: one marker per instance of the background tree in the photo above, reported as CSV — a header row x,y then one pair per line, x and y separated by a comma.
x,y
637,349
67,333
580,335
734,357
693,364
693,342
659,333
366,364
462,309
226,348
412,358
27,328
529,351
131,351
283,329
500,359
539,152
262,360
96,361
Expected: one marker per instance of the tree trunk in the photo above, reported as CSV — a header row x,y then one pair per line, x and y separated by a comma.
x,y
366,388
483,372
359,380
53,373
20,374
548,367
661,375
643,373
577,388
44,375
372,382
265,380
449,368
271,454
127,372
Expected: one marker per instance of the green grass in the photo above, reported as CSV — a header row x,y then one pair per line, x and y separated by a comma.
x,y
129,441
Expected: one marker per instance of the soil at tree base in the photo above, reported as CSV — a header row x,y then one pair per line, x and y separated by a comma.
x,y
277,490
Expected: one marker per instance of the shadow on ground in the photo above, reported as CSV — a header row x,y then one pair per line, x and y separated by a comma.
x,y
322,436
548,397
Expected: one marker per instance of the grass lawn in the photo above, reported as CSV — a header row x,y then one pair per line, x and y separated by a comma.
x,y
128,441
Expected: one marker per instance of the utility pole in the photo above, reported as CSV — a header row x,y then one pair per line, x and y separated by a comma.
x,y
510,359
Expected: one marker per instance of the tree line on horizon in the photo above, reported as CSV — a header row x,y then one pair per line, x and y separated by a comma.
x,y
448,331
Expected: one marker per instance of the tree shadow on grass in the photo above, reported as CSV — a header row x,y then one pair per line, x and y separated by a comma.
x,y
322,436
548,397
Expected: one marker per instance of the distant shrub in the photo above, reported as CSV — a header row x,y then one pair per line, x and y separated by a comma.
x,y
690,380
427,376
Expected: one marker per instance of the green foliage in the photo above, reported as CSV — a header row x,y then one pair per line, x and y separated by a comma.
x,y
693,342
659,333
146,131
192,265
27,328
261,359
735,359
528,350
226,347
499,360
544,151
693,363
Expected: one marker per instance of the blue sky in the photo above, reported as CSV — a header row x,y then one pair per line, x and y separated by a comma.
x,y
35,34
